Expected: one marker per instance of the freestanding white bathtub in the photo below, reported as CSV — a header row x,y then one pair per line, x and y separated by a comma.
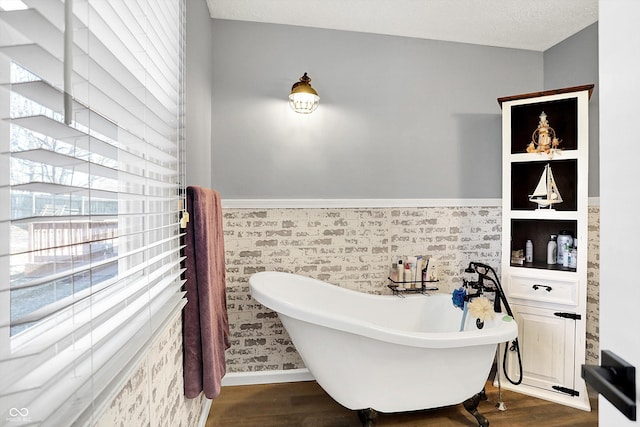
x,y
383,352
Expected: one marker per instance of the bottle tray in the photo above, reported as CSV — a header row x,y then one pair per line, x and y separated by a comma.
x,y
415,287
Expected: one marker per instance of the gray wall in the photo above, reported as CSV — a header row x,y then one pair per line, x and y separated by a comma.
x,y
574,62
398,117
198,93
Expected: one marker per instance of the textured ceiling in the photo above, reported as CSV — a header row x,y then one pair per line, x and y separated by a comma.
x,y
521,24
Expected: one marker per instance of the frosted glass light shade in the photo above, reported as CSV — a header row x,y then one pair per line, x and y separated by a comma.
x,y
304,103
303,98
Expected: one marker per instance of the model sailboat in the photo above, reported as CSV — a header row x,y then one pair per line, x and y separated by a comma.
x,y
546,193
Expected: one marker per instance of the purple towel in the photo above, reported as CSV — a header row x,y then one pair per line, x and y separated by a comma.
x,y
205,322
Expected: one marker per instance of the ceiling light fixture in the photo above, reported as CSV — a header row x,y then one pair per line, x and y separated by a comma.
x,y
303,98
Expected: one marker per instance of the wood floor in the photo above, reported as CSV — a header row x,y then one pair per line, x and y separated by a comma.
x,y
305,404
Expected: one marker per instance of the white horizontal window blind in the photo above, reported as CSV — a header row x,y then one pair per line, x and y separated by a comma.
x,y
91,192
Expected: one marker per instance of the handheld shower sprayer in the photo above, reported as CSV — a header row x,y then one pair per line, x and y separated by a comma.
x,y
486,272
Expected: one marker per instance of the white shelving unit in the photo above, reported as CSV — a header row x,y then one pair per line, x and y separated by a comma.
x,y
549,301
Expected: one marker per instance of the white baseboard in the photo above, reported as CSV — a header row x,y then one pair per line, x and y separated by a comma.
x,y
267,377
206,408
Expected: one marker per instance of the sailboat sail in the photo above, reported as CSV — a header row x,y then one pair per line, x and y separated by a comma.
x,y
546,193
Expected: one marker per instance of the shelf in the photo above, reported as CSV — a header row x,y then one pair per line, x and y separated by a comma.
x,y
398,289
526,175
544,214
544,266
542,157
539,232
562,117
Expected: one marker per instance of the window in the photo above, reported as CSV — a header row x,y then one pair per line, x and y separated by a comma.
x,y
91,192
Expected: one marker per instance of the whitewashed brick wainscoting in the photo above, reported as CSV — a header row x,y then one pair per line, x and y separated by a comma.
x,y
354,247
593,286
154,395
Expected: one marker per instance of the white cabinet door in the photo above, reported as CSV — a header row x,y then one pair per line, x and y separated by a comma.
x,y
547,349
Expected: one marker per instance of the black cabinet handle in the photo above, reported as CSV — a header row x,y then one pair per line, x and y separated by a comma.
x,y
547,288
615,380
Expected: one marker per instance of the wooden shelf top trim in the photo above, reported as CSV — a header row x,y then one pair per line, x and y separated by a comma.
x,y
547,92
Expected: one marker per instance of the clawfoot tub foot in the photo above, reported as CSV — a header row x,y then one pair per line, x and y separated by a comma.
x,y
367,417
483,395
471,405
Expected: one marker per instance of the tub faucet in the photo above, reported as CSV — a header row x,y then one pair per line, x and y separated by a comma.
x,y
483,270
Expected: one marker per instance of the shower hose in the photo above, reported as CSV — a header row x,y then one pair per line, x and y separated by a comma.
x,y
482,270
